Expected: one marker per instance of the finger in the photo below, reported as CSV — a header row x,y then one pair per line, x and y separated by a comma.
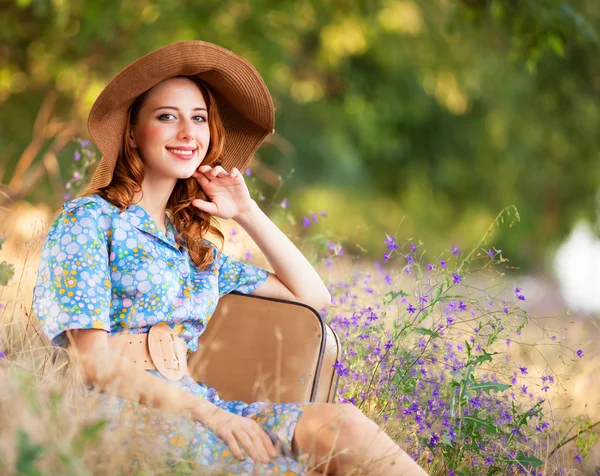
x,y
231,441
205,206
244,439
204,168
268,443
263,442
218,171
201,177
234,173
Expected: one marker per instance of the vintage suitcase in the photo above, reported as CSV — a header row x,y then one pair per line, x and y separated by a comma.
x,y
263,349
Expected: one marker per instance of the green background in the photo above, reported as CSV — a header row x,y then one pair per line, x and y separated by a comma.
x,y
422,118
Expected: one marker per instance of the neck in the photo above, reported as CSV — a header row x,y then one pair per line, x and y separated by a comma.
x,y
155,197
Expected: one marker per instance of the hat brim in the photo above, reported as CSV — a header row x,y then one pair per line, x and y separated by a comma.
x,y
243,100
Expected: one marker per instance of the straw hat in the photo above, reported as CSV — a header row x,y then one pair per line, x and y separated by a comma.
x,y
243,100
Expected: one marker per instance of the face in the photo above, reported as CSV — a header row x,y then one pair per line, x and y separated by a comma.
x,y
171,131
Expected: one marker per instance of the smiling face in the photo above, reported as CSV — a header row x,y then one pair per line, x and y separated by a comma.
x,y
170,131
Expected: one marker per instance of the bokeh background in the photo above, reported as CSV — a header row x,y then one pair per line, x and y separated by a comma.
x,y
425,118
420,119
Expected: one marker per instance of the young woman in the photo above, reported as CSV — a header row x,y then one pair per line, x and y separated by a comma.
x,y
127,263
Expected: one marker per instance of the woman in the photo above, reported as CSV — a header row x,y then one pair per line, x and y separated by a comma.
x,y
129,259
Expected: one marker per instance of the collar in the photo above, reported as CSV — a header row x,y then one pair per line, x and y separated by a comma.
x,y
141,219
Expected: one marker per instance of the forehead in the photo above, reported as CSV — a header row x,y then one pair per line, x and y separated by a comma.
x,y
176,91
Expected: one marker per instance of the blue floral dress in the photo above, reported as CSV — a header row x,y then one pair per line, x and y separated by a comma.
x,y
119,272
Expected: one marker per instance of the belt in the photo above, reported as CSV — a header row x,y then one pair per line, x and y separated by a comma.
x,y
160,349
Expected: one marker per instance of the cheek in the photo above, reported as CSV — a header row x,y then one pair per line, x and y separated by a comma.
x,y
205,137
152,135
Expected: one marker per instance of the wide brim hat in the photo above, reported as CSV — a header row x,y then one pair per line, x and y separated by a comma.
x,y
242,98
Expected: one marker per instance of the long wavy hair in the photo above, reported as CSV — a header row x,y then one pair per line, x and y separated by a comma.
x,y
191,224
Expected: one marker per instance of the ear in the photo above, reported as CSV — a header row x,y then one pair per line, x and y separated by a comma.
x,y
132,140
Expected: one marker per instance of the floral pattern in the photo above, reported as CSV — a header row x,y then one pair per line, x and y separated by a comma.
x,y
105,269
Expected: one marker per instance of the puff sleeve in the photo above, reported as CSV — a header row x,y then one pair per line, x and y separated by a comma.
x,y
238,276
73,286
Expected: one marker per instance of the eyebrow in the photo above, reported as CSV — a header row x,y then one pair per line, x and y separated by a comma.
x,y
176,109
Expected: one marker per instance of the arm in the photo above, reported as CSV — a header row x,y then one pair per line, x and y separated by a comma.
x,y
116,375
294,277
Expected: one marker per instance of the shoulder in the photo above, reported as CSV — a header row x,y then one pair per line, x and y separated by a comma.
x,y
93,204
84,214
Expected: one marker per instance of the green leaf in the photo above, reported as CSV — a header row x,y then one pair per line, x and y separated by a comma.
x,y
529,460
393,295
490,386
557,44
6,273
447,441
27,454
425,331
488,424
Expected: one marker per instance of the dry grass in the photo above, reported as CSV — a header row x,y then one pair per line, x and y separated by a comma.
x,y
41,396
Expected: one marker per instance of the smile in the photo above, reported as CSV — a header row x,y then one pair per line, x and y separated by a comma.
x,y
183,154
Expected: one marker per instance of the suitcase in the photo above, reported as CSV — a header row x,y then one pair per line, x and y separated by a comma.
x,y
262,349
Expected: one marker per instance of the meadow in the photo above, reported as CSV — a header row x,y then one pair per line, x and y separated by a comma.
x,y
459,358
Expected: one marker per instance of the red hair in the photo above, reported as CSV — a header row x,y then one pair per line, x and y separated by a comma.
x,y
191,223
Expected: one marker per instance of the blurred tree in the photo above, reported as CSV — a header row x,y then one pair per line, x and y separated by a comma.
x,y
443,111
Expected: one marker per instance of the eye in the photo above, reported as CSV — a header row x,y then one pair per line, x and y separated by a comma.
x,y
163,116
200,118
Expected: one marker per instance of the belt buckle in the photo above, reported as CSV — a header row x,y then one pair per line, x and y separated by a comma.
x,y
164,351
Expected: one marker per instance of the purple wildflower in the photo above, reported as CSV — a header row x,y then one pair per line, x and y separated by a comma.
x,y
84,143
410,309
523,370
314,217
455,251
76,156
456,278
306,222
580,353
324,214
431,267
247,172
390,243
409,259
285,204
443,263
2,355
413,247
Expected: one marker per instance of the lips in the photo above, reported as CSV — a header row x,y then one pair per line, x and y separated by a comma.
x,y
183,153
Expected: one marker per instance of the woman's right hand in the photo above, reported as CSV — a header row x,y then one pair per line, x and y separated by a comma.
x,y
240,433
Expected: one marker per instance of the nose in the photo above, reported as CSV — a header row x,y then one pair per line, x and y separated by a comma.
x,y
186,131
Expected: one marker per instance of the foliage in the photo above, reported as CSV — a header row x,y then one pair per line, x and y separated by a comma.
x,y
6,270
449,110
429,356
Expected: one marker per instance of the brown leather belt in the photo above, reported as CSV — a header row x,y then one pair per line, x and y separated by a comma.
x,y
160,349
